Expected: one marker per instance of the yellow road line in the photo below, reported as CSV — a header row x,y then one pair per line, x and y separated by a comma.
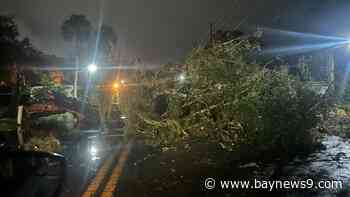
x,y
102,172
111,185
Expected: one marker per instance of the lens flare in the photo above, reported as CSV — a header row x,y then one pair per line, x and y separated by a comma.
x,y
310,42
267,30
92,68
304,48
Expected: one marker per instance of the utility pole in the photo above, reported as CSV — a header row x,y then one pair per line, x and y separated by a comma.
x,y
76,75
77,62
19,107
211,36
331,70
19,126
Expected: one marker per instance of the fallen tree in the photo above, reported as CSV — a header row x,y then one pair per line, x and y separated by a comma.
x,y
222,96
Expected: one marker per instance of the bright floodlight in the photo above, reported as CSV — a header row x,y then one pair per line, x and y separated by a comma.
x,y
93,150
182,77
92,68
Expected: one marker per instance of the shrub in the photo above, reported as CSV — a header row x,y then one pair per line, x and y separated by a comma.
x,y
46,144
62,122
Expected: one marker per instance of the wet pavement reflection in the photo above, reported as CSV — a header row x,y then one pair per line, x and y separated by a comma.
x,y
331,163
84,157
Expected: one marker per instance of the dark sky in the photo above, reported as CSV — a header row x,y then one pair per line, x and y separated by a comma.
x,y
159,31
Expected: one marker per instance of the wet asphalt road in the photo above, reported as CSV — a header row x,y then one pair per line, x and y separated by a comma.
x,y
84,157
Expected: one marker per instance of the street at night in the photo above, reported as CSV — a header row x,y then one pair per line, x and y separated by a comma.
x,y
164,98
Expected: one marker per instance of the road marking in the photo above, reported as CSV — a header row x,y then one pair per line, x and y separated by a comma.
x,y
102,172
113,180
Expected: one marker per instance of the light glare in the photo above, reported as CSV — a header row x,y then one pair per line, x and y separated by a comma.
x,y
116,85
92,68
182,77
93,151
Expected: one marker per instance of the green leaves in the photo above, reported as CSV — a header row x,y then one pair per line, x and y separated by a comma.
x,y
227,99
46,144
13,48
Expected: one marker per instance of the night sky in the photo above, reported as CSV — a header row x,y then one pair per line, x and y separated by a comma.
x,y
160,31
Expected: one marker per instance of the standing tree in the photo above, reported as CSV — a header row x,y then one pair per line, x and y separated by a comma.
x,y
108,41
8,40
13,49
16,53
76,29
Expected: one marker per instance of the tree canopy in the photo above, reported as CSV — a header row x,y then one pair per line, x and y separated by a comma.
x,y
13,49
108,40
76,28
